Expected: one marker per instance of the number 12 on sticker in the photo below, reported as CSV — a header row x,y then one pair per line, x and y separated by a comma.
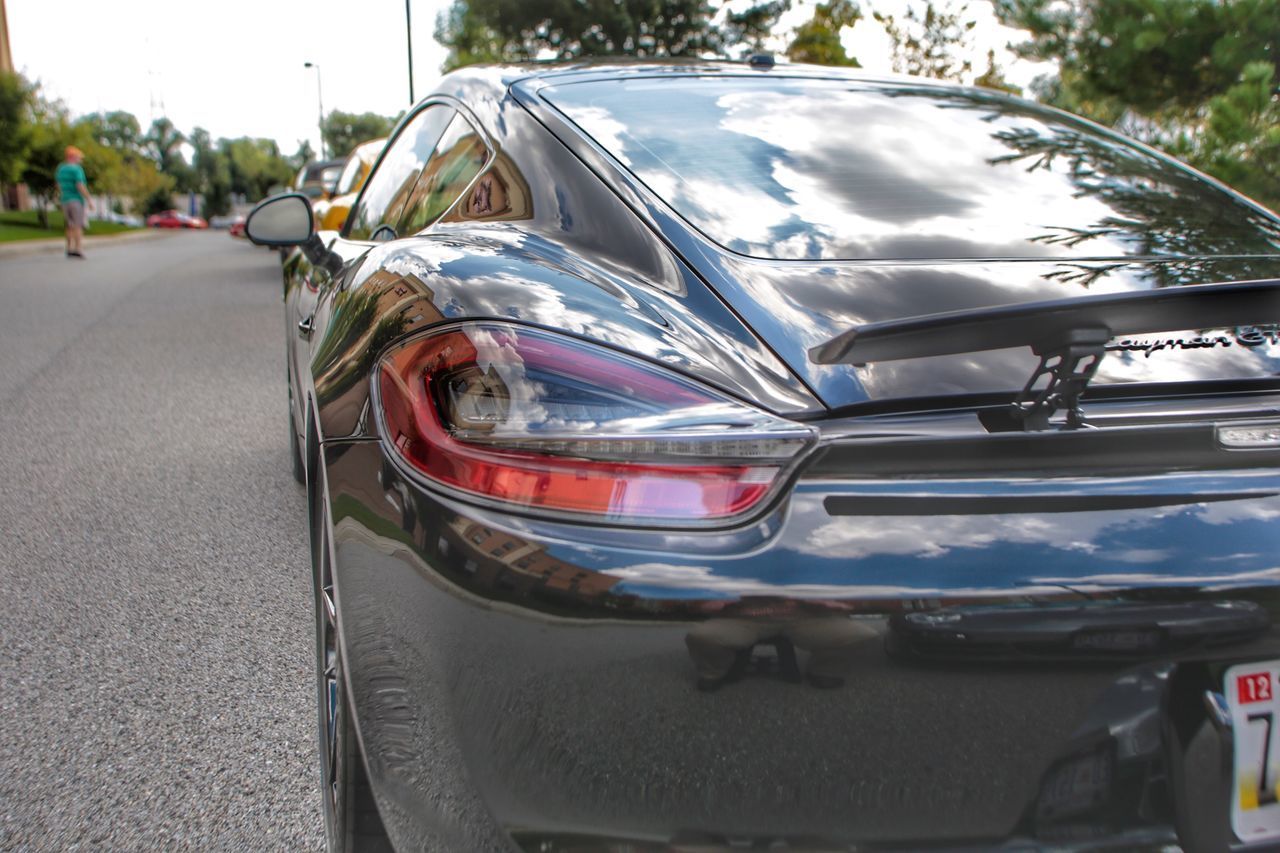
x,y
1255,687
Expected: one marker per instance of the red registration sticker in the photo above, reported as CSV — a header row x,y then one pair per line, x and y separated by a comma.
x,y
1253,698
1254,687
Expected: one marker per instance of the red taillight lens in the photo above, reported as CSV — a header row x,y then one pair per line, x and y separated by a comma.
x,y
525,417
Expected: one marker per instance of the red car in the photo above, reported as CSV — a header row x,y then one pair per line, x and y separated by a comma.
x,y
236,228
175,219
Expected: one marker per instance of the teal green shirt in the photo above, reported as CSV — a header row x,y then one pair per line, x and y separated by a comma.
x,y
67,176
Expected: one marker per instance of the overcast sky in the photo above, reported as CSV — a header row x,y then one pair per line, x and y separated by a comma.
x,y
236,67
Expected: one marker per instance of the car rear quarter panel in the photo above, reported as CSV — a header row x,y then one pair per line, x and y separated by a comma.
x,y
562,253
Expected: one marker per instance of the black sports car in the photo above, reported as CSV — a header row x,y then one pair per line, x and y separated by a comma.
x,y
663,424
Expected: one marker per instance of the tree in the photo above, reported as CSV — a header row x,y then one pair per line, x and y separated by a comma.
x,y
1149,56
752,26
141,182
16,100
254,166
101,164
304,155
1238,140
470,39
993,77
112,142
160,198
212,173
118,129
50,134
818,39
49,140
929,43
44,153
163,143
1195,77
344,131
49,129
524,30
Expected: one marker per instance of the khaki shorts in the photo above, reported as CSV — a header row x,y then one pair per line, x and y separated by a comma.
x,y
73,211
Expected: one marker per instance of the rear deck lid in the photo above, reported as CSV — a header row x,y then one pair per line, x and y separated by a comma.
x,y
817,205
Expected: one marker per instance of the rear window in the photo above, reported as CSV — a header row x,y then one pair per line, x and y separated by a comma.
x,y
794,168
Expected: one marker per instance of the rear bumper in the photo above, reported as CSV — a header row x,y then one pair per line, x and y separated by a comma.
x,y
519,686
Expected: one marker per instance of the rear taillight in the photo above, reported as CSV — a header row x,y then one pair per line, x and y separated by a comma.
x,y
526,417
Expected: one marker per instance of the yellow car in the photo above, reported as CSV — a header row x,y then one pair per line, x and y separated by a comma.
x,y
331,214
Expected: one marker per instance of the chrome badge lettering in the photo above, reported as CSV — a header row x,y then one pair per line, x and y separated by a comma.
x,y
1251,336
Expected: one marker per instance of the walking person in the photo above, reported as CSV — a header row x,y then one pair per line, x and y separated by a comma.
x,y
74,197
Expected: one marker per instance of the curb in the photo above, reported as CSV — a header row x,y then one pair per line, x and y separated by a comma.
x,y
56,244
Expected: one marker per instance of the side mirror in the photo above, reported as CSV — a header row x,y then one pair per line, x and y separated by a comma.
x,y
282,220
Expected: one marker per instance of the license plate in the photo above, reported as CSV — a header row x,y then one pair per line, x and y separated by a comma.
x,y
1253,695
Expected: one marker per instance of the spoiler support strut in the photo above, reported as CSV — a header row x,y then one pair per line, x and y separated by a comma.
x,y
1070,363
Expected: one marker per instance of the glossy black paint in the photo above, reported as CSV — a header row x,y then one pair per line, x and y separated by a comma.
x,y
520,682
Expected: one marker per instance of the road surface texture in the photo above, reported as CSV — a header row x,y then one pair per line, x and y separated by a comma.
x,y
156,679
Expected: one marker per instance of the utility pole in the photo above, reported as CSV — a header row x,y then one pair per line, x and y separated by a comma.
x,y
408,29
320,101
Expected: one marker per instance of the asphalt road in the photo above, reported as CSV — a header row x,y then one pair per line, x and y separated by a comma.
x,y
156,681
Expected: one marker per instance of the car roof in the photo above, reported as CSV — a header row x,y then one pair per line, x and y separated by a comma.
x,y
498,78
316,167
484,87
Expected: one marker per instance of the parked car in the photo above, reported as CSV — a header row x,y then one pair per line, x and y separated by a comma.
x,y
236,228
175,219
119,218
331,213
317,179
665,426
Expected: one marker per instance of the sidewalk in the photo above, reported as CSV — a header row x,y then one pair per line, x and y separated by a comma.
x,y
58,244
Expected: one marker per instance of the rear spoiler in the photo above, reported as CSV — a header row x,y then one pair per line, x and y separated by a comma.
x,y
1063,332
1198,306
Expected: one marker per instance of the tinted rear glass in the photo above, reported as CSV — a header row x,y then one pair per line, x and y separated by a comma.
x,y
825,169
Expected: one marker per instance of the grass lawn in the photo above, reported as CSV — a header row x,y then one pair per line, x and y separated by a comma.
x,y
25,225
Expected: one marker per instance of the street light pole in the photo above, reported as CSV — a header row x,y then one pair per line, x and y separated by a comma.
x,y
408,29
320,101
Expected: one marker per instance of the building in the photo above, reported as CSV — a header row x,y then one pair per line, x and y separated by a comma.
x,y
6,55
